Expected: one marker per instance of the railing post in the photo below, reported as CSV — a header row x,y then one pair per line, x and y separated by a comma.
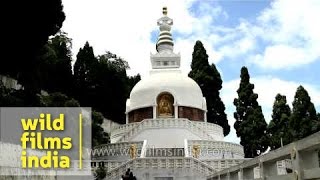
x,y
295,158
143,149
261,170
186,148
154,111
176,111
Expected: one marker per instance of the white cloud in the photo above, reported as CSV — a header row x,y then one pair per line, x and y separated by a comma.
x,y
267,88
290,28
283,36
124,28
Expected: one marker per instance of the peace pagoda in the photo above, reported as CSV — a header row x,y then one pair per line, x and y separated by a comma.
x,y
166,135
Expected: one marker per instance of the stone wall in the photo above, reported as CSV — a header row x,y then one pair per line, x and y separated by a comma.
x,y
190,113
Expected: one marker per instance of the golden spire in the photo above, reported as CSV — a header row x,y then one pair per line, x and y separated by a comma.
x,y
164,10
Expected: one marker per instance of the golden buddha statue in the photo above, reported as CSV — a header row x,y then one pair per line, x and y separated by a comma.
x,y
165,106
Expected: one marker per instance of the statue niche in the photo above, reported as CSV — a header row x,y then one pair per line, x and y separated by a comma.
x,y
165,105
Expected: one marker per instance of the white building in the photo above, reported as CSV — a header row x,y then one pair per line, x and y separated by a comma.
x,y
166,135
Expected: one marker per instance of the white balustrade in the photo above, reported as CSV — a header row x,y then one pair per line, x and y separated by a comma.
x,y
195,127
116,151
211,148
161,163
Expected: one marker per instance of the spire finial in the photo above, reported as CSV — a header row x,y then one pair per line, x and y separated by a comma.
x,y
164,10
165,42
165,57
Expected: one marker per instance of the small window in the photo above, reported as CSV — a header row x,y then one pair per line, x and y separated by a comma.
x,y
165,63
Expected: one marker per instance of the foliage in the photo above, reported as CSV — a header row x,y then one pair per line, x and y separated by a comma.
x,y
250,124
100,173
58,100
29,26
132,81
9,98
102,82
83,68
210,82
56,70
303,121
98,135
278,126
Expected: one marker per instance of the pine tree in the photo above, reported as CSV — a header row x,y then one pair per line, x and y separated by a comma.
x,y
278,126
110,84
250,124
56,70
303,121
83,69
209,80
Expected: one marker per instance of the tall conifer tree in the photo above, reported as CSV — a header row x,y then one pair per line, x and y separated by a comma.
x,y
303,121
83,69
250,124
278,126
209,80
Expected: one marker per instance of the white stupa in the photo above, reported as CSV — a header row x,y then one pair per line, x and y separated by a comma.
x,y
166,135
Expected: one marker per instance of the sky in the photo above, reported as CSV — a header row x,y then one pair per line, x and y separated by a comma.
x,y
279,41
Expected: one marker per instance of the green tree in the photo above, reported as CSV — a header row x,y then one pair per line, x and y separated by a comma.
x,y
278,127
210,82
318,123
303,121
132,81
83,68
102,82
56,70
9,98
110,84
250,124
29,26
98,135
58,100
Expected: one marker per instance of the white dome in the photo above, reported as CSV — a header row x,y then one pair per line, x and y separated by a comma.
x,y
185,90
